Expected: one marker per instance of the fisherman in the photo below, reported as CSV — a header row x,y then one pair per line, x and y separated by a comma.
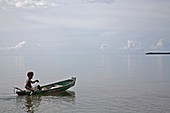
x,y
29,81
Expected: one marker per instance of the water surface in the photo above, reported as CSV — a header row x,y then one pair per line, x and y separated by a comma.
x,y
105,83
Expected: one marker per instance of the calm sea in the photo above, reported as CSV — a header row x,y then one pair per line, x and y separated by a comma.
x,y
105,83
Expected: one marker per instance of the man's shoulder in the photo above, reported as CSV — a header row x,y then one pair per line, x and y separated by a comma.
x,y
28,80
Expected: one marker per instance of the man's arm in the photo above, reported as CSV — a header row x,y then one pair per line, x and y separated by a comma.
x,y
34,81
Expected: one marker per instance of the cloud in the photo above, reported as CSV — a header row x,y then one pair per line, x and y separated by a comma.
x,y
103,46
30,3
161,45
98,1
17,46
131,44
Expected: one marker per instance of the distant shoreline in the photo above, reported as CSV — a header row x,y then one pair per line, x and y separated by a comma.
x,y
157,53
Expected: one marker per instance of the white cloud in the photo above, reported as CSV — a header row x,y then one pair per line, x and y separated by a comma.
x,y
103,46
30,3
161,45
131,44
17,46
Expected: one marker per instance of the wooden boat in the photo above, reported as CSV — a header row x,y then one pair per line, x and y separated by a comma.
x,y
55,87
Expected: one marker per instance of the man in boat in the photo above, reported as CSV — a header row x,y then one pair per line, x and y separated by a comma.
x,y
29,81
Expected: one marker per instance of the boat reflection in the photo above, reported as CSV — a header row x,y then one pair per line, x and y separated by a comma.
x,y
31,104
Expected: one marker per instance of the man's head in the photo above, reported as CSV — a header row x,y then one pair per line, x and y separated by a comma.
x,y
30,74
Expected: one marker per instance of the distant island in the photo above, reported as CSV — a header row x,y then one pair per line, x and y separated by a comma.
x,y
157,53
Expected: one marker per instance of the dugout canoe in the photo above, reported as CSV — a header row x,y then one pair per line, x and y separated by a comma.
x,y
55,87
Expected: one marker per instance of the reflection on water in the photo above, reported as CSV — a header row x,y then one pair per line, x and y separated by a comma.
x,y
12,64
160,64
31,104
153,67
28,103
20,62
139,63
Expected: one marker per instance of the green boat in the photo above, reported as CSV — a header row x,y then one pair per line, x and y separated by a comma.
x,y
55,87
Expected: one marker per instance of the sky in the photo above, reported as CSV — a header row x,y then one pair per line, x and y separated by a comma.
x,y
83,26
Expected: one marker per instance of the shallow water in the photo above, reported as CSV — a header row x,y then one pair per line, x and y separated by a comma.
x,y
105,83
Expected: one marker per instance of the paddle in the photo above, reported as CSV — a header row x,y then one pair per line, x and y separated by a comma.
x,y
17,89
